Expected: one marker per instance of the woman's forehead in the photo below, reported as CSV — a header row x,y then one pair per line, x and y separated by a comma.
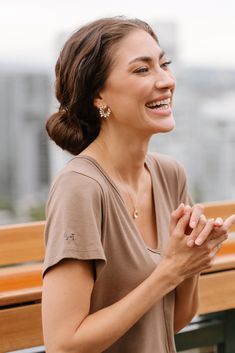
x,y
136,44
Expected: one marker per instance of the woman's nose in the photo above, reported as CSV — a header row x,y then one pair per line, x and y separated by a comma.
x,y
165,79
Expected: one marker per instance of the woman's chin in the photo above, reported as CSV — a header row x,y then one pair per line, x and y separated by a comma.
x,y
164,126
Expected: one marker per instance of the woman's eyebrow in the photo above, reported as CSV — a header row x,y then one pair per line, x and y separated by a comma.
x,y
146,59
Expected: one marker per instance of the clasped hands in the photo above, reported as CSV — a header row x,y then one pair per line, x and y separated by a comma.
x,y
198,229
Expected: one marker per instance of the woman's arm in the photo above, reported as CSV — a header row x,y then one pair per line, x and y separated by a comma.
x,y
186,302
67,325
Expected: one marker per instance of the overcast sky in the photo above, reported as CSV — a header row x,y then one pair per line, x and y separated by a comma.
x,y
29,28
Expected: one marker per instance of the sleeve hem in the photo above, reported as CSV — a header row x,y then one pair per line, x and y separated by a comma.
x,y
71,254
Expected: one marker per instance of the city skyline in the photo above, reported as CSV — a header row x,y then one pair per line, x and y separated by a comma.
x,y
29,28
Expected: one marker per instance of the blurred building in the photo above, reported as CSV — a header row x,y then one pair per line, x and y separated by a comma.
x,y
24,104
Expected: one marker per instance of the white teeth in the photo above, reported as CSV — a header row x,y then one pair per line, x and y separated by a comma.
x,y
164,107
158,103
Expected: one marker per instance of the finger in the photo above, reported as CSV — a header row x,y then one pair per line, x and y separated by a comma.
x,y
182,222
205,232
218,232
200,226
197,211
175,216
218,222
228,223
225,227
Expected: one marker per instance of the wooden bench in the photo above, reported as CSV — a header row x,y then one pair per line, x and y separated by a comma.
x,y
21,255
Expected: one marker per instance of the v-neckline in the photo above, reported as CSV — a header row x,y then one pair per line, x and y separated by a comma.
x,y
131,221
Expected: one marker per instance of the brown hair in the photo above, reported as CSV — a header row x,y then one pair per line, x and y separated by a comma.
x,y
81,71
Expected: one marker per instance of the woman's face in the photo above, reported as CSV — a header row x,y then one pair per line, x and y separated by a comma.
x,y
140,86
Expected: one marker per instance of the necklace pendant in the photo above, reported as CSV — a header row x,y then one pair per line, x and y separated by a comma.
x,y
135,214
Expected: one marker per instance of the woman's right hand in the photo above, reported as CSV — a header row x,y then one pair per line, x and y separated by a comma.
x,y
188,261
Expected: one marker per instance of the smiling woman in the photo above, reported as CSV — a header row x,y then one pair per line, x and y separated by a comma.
x,y
124,245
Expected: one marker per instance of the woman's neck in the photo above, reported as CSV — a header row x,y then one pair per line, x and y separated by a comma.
x,y
123,157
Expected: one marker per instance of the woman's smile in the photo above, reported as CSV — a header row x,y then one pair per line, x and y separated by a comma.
x,y
160,106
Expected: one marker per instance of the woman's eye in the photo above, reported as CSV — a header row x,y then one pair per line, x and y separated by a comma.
x,y
142,69
166,64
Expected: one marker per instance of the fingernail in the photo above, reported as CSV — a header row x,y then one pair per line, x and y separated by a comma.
x,y
192,224
190,243
199,241
187,209
218,221
181,207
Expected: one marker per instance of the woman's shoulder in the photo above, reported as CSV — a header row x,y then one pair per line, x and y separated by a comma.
x,y
79,175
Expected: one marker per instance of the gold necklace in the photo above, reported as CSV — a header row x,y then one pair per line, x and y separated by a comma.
x,y
135,213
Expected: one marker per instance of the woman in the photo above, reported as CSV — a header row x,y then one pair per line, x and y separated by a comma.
x,y
123,245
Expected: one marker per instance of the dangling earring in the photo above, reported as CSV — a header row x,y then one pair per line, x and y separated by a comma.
x,y
104,114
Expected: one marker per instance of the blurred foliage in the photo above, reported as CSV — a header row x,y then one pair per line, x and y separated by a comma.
x,y
37,213
6,205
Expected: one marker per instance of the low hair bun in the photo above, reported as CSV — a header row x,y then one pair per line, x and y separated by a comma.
x,y
66,133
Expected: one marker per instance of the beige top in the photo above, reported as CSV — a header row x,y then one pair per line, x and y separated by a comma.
x,y
87,219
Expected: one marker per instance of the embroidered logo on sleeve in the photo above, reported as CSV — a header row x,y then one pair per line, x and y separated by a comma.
x,y
69,236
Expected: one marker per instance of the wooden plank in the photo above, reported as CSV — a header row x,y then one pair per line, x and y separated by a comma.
x,y
221,263
20,328
228,247
216,292
21,243
18,277
20,284
20,296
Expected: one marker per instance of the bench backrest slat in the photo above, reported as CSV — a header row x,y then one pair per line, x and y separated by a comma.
x,y
21,243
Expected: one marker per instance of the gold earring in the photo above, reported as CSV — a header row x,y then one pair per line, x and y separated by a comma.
x,y
104,114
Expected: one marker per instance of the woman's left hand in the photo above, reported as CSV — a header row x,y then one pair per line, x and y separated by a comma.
x,y
200,230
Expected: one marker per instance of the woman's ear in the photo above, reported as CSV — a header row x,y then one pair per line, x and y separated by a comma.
x,y
98,102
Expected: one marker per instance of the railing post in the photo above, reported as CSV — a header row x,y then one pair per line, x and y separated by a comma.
x,y
229,342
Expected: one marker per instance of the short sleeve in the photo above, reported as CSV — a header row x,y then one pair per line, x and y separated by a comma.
x,y
74,220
